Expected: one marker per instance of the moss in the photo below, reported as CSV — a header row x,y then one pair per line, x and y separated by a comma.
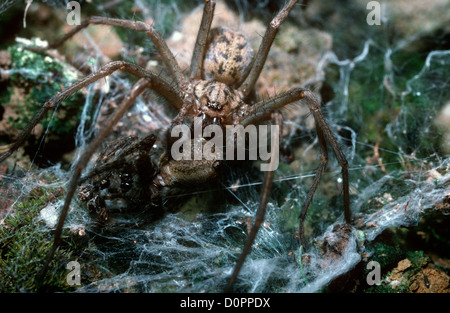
x,y
403,275
41,77
386,255
389,96
5,95
24,245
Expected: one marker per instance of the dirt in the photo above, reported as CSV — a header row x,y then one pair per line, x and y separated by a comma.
x,y
425,279
430,280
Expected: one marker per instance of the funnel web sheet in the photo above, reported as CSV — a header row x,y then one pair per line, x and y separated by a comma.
x,y
195,248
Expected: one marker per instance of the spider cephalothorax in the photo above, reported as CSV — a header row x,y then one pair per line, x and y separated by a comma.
x,y
215,102
215,90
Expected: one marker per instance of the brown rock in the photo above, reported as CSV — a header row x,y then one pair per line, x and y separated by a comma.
x,y
430,280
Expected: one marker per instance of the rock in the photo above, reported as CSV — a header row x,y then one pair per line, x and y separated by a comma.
x,y
430,280
293,48
411,17
419,276
443,121
103,36
5,59
397,273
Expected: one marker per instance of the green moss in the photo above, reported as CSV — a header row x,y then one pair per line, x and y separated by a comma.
x,y
5,95
41,77
407,64
381,289
24,245
417,259
386,255
403,96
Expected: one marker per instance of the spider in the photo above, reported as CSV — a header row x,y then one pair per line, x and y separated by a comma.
x,y
218,87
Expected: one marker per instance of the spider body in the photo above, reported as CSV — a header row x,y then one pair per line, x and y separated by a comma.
x,y
217,89
126,173
214,100
228,57
122,180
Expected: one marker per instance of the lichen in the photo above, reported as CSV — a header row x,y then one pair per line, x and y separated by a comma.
x,y
39,78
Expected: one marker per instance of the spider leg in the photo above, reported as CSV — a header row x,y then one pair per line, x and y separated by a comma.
x,y
322,123
312,190
259,217
200,45
260,111
158,41
164,88
249,84
139,87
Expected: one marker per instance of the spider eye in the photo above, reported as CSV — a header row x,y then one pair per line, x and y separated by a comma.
x,y
125,181
214,105
125,186
104,183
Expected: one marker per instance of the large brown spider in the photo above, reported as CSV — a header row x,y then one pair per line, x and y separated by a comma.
x,y
218,87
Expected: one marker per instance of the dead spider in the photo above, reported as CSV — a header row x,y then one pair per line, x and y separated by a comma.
x,y
217,87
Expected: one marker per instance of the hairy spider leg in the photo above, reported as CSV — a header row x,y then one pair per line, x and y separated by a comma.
x,y
147,80
322,123
138,88
259,216
315,183
167,90
258,63
261,112
202,37
155,37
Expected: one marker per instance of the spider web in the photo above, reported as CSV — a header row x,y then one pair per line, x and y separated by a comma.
x,y
195,250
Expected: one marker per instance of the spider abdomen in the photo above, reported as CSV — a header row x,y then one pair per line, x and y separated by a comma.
x,y
228,57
